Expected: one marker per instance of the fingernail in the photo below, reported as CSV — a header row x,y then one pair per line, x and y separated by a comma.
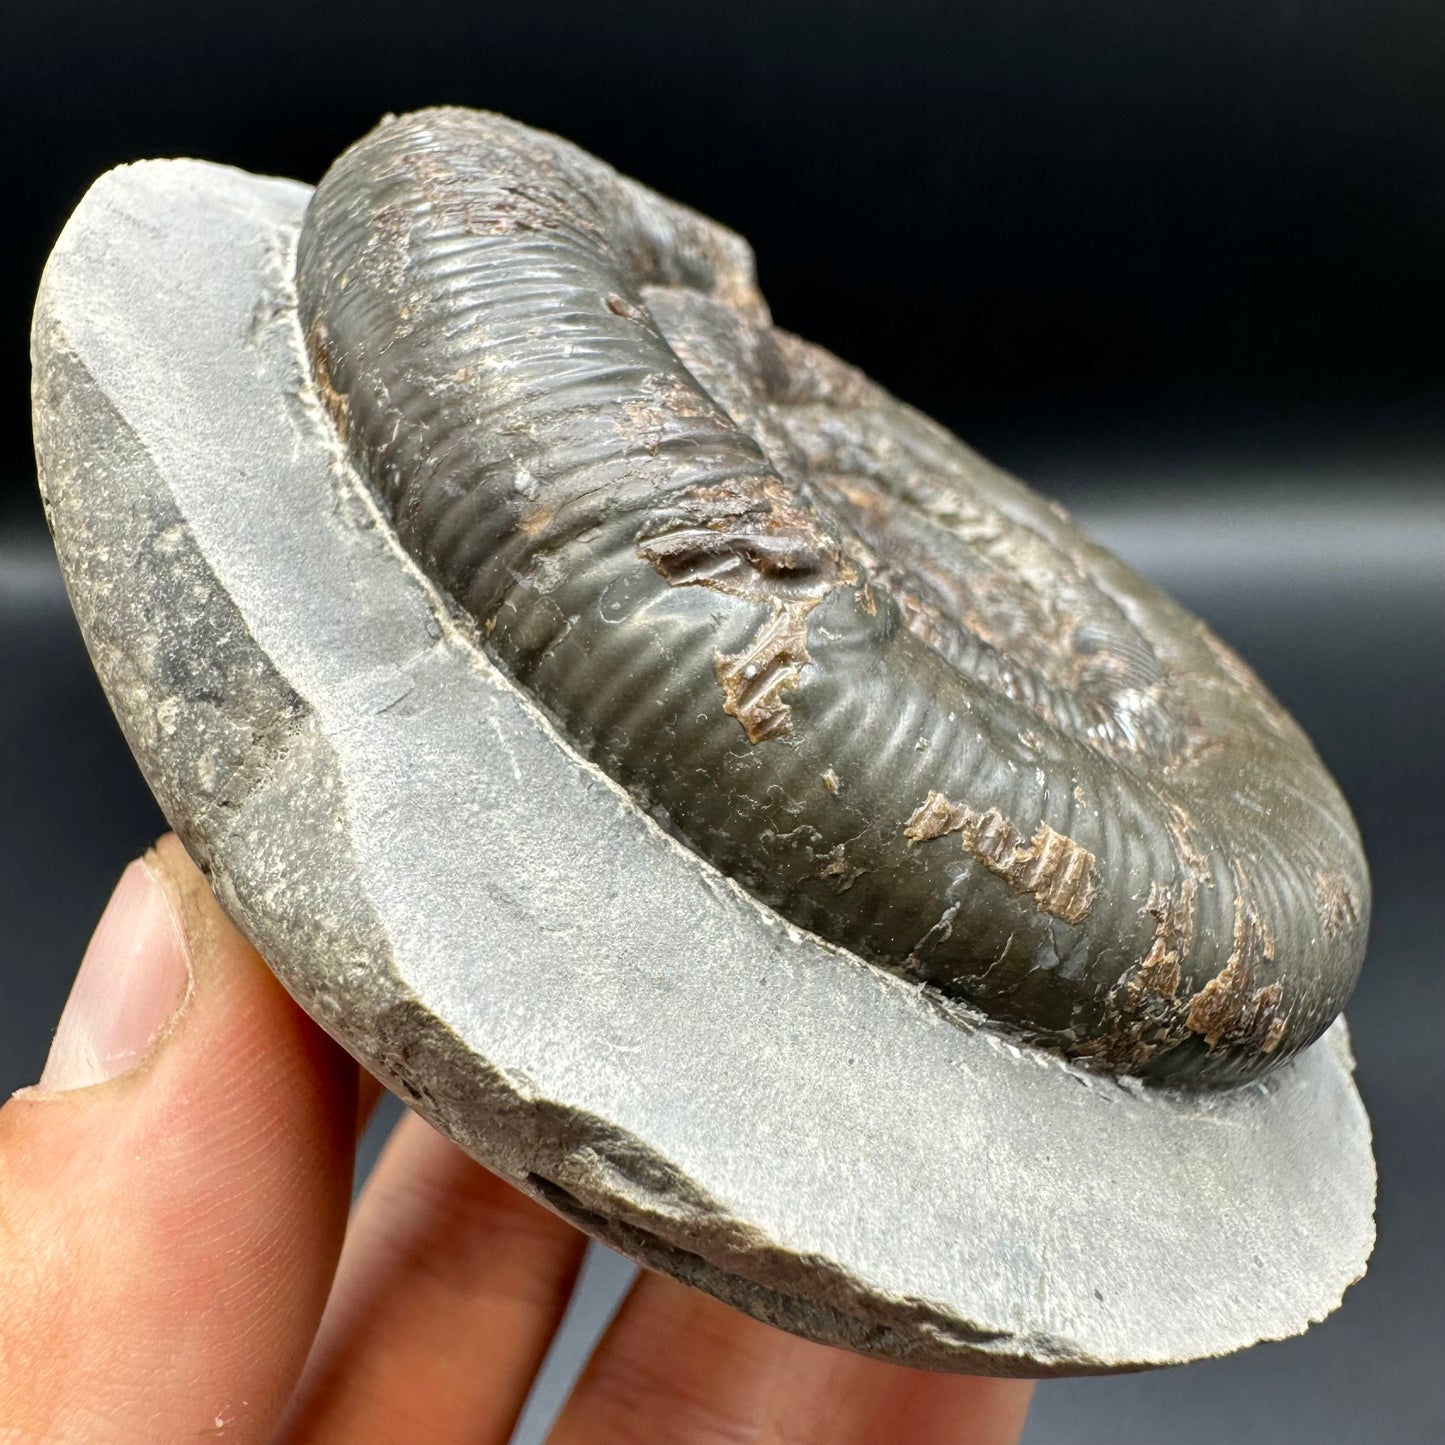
x,y
131,983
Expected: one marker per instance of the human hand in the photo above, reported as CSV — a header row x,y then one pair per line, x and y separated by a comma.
x,y
176,1260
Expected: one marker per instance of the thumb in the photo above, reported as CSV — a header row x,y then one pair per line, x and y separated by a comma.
x,y
174,1190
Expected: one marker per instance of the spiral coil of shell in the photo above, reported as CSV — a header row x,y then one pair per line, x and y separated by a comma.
x,y
893,692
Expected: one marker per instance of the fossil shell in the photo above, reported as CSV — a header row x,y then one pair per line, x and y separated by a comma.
x,y
888,688
585,1005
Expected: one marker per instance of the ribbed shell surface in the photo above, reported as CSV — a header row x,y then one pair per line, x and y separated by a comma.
x,y
893,692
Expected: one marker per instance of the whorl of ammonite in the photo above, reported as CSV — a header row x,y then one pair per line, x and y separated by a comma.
x,y
887,688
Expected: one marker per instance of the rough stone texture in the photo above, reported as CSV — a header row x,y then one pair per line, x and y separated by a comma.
x,y
493,928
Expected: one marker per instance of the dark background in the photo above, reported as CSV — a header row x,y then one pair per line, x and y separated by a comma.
x,y
1181,264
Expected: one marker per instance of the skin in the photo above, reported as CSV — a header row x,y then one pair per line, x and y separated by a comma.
x,y
177,1260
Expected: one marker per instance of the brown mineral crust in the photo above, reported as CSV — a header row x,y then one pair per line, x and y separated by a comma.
x,y
1173,913
756,544
755,682
1180,827
934,817
1145,1014
1060,873
1229,1010
841,869
333,401
1337,906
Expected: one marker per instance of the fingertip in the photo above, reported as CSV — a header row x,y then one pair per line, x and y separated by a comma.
x,y
133,981
174,1192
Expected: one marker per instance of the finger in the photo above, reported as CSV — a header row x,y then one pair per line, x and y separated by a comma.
x,y
173,1193
699,1373
450,1287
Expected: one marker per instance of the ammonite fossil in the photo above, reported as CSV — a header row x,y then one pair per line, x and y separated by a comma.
x,y
721,802
886,686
